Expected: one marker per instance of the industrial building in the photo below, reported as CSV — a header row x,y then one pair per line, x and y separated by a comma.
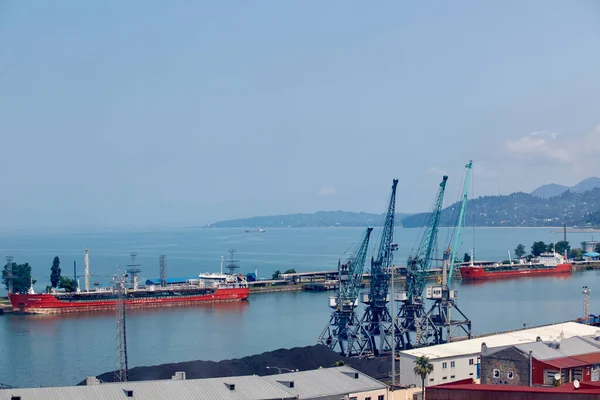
x,y
460,360
589,246
539,363
324,384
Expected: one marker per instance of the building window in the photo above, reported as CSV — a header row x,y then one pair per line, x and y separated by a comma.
x,y
510,375
496,373
444,365
452,376
353,398
367,398
445,377
470,361
430,379
470,374
452,364
381,397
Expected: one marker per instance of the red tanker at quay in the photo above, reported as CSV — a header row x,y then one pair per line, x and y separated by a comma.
x,y
205,288
545,264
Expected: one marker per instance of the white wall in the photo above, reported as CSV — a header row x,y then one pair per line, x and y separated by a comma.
x,y
461,370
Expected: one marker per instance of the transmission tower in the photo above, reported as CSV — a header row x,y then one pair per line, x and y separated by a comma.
x,y
9,275
586,304
163,270
122,366
232,266
134,270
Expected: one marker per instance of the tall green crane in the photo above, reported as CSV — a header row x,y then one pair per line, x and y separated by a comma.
x,y
411,314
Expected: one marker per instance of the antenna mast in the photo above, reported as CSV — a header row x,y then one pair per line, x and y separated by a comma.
x,y
586,304
134,270
232,266
163,270
122,366
87,269
9,276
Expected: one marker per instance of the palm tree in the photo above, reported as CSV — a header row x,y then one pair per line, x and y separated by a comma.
x,y
423,368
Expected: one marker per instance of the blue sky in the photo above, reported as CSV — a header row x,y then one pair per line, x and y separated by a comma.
x,y
164,113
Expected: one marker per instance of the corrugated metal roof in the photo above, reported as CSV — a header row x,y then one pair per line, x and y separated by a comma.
x,y
316,383
246,387
473,346
592,358
568,347
327,382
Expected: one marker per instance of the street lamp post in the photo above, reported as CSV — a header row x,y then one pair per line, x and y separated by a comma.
x,y
280,368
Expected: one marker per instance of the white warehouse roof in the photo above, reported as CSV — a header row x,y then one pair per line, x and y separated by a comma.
x,y
473,346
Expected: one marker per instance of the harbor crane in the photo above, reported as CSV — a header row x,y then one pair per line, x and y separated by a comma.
x,y
443,296
376,320
412,316
344,333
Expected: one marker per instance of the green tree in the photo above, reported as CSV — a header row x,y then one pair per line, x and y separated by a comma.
x,y
67,283
520,251
21,277
466,258
423,368
561,247
290,271
538,248
55,272
576,254
276,275
597,248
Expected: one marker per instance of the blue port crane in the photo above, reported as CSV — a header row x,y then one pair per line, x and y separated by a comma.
x,y
344,333
376,320
411,314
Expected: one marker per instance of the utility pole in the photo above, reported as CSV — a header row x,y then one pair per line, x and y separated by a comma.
x,y
122,365
393,331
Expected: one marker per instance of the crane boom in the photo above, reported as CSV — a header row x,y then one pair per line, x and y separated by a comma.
x,y
380,275
461,215
351,271
419,264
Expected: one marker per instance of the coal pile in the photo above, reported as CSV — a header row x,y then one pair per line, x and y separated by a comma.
x,y
300,358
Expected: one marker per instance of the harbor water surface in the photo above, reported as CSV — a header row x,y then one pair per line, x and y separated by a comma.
x,y
63,349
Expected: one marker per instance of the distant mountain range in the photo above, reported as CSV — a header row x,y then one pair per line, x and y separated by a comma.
x,y
523,209
548,205
318,219
552,189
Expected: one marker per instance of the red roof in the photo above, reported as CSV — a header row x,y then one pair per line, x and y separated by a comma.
x,y
565,362
584,388
591,358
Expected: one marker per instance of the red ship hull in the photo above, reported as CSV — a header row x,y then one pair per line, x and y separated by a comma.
x,y
52,304
475,273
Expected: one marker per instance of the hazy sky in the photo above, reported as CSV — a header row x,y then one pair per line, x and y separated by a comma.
x,y
131,113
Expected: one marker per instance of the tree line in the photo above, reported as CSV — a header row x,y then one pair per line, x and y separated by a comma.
x,y
21,278
561,247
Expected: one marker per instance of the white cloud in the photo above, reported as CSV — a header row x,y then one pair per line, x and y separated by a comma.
x,y
327,191
577,151
536,145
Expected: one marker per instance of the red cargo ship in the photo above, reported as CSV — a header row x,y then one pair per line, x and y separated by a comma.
x,y
547,264
207,288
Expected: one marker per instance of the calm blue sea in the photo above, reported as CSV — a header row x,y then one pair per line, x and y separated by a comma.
x,y
62,350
